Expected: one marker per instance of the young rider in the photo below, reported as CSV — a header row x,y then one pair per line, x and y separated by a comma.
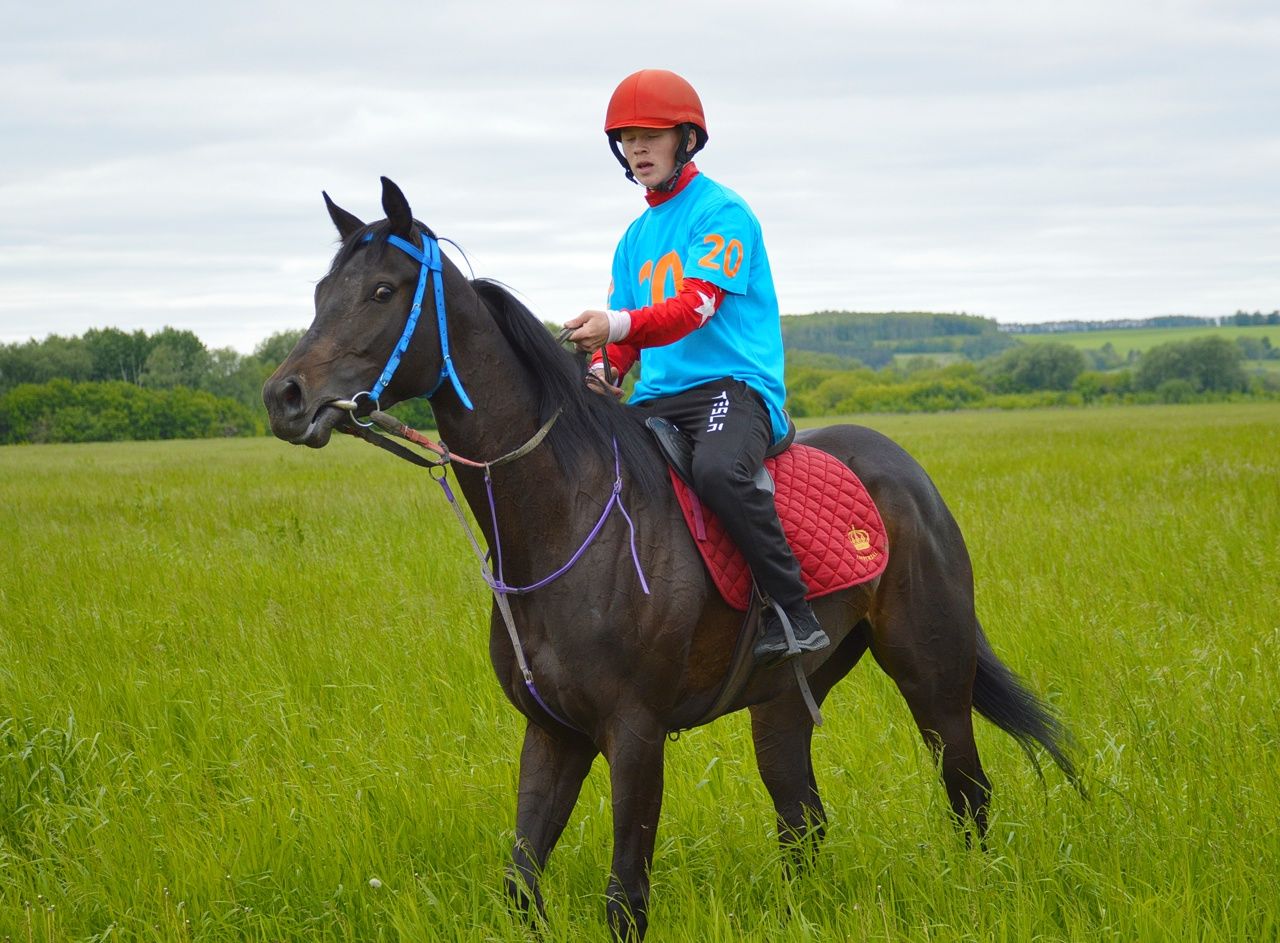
x,y
692,299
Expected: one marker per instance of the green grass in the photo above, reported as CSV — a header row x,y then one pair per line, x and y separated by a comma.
x,y
239,680
1143,339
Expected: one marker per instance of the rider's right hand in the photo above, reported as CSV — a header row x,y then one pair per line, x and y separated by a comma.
x,y
598,384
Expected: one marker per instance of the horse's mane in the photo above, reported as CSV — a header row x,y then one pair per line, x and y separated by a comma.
x,y
589,422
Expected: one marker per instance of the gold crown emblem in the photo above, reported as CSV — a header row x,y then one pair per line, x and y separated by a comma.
x,y
860,539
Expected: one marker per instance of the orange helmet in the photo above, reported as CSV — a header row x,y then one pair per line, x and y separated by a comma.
x,y
655,98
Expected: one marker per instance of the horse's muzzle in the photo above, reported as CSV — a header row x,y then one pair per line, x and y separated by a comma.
x,y
294,415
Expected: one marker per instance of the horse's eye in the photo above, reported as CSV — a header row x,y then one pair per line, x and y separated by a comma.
x,y
383,293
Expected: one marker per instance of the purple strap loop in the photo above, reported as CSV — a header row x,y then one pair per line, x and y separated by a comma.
x,y
501,589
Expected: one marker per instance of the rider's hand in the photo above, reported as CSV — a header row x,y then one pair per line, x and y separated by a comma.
x,y
598,384
590,330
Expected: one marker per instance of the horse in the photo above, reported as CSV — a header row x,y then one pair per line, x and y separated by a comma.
x,y
632,642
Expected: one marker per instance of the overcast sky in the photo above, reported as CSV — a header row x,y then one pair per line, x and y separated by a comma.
x,y
161,164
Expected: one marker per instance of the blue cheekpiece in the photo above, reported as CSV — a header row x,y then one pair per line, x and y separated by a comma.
x,y
429,257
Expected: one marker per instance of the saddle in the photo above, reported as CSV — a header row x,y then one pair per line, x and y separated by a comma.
x,y
828,517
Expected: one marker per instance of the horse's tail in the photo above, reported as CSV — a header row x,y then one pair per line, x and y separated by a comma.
x,y
1003,698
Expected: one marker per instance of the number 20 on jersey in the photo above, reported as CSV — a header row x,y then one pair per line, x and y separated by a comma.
x,y
721,256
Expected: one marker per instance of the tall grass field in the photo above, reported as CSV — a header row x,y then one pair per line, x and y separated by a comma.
x,y
245,696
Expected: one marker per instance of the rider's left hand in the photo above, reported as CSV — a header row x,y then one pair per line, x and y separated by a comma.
x,y
590,330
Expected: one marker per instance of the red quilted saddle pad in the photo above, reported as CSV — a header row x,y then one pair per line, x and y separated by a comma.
x,y
829,519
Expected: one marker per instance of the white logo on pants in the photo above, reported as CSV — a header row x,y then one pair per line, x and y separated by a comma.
x,y
719,409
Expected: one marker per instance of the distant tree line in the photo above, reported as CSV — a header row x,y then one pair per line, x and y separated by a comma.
x,y
110,385
114,410
876,339
1239,319
1041,374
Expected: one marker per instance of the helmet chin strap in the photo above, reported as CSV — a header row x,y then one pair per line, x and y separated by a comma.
x,y
615,141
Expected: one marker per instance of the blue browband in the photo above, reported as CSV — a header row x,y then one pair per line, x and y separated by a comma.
x,y
429,257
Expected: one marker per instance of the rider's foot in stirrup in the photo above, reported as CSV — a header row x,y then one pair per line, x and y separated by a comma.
x,y
772,649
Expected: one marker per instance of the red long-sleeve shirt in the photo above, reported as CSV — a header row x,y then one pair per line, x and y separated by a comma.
x,y
667,321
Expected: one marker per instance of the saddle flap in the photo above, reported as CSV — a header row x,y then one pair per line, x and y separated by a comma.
x,y
829,519
674,445
678,451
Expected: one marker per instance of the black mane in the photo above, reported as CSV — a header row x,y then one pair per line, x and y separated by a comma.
x,y
589,422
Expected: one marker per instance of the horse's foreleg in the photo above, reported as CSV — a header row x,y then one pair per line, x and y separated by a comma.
x,y
783,732
552,768
635,753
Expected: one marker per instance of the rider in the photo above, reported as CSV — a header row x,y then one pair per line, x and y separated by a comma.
x,y
692,299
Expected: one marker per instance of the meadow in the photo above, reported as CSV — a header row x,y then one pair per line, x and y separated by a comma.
x,y
1140,340
245,695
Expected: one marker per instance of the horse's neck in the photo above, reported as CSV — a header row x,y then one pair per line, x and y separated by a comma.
x,y
503,396
535,507
530,513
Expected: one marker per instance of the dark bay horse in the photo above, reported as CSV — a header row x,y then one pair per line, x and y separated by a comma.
x,y
623,668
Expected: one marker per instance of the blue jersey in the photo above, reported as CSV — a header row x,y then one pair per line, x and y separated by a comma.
x,y
705,231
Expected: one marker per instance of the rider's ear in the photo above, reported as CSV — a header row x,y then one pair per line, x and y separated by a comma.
x,y
397,209
346,222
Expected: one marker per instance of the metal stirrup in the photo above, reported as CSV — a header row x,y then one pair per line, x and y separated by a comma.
x,y
793,653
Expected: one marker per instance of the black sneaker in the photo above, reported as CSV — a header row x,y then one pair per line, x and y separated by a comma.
x,y
771,648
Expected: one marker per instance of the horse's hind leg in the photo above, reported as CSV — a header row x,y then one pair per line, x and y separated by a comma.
x,y
783,733
552,768
928,646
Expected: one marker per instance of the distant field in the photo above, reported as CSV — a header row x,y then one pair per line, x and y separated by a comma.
x,y
245,696
1143,339
941,358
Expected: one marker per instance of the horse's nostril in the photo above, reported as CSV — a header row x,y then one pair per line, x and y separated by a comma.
x,y
291,395
284,397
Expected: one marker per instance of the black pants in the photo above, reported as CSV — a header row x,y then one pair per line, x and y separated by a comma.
x,y
729,426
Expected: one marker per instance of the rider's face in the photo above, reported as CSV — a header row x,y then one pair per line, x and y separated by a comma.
x,y
651,153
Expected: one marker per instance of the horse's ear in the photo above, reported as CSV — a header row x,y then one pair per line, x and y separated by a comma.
x,y
397,209
346,222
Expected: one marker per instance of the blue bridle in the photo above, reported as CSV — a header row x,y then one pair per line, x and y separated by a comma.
x,y
430,260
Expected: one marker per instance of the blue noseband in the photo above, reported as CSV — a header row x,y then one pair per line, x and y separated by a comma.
x,y
429,258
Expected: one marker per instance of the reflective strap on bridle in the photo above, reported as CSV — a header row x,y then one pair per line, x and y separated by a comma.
x,y
430,260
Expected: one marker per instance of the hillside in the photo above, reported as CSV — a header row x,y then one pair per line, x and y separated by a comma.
x,y
876,338
1139,340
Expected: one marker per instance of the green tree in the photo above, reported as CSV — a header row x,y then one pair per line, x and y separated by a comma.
x,y
1039,366
177,358
273,351
116,354
1257,348
1209,364
234,376
1104,358
40,361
